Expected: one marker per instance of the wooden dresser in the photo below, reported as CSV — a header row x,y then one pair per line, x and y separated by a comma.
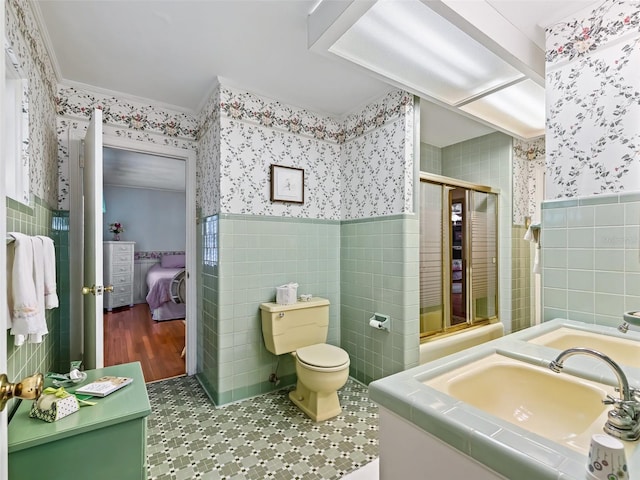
x,y
118,271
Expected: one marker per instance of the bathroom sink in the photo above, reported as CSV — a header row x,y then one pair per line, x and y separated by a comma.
x,y
621,350
560,407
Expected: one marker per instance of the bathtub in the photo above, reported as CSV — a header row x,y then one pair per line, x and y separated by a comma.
x,y
446,345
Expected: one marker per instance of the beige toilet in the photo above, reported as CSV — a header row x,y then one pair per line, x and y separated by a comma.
x,y
301,329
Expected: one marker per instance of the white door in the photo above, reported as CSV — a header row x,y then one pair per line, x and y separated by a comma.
x,y
92,208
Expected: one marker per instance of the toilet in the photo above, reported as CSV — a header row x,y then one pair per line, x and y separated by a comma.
x,y
322,369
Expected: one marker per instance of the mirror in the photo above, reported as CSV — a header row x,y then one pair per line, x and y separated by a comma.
x,y
16,128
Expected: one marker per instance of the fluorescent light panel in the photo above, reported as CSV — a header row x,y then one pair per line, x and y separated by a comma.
x,y
407,42
518,109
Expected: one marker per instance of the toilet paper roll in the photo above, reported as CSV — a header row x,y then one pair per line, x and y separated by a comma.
x,y
374,323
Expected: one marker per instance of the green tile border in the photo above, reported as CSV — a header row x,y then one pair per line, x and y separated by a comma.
x,y
268,218
604,199
549,204
383,218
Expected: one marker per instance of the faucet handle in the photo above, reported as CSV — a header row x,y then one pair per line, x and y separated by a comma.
x,y
611,400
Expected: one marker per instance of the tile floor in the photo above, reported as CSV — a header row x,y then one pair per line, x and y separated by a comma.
x,y
265,437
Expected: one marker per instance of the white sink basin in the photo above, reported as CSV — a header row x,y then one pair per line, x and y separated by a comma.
x,y
621,350
558,406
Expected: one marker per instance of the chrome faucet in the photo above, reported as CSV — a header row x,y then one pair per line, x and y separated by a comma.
x,y
623,421
629,318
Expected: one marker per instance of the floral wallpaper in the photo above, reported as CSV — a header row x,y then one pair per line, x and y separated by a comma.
x,y
26,43
121,118
593,112
256,132
528,166
208,174
377,159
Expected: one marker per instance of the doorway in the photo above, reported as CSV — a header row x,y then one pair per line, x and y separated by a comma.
x,y
458,255
77,331
144,195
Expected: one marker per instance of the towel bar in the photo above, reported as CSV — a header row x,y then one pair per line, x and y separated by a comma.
x,y
10,239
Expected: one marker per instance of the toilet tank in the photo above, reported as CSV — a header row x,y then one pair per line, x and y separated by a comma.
x,y
286,328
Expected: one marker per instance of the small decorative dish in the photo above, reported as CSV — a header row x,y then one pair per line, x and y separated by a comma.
x,y
67,381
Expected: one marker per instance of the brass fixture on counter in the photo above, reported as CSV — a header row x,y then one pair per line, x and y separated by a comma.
x,y
29,388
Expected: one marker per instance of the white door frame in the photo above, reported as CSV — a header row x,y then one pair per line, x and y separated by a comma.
x,y
4,453
189,157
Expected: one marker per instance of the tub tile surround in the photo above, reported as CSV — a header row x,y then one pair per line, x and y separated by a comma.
x,y
503,447
591,266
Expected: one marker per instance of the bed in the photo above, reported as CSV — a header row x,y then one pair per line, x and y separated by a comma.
x,y
162,299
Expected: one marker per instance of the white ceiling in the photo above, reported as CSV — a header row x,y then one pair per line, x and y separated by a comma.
x,y
173,51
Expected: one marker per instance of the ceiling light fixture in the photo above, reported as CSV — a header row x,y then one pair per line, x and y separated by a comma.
x,y
413,47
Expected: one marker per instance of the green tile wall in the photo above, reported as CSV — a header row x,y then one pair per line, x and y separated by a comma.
x,y
590,260
256,254
430,159
521,282
39,357
379,273
60,236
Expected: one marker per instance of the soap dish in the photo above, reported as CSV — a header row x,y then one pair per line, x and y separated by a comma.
x,y
67,382
632,318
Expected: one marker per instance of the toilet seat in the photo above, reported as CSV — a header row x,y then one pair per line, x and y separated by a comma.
x,y
323,357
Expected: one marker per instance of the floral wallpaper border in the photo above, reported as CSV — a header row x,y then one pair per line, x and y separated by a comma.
x,y
154,255
575,38
245,106
136,116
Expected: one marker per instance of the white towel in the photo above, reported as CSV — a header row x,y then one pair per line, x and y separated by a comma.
x,y
533,235
39,326
49,253
21,291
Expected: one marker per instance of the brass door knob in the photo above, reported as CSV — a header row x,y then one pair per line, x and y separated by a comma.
x,y
94,290
28,388
88,290
108,288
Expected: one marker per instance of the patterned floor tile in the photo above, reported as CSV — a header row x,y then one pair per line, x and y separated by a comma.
x,y
266,437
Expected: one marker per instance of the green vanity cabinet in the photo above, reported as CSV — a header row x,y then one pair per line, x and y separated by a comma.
x,y
104,441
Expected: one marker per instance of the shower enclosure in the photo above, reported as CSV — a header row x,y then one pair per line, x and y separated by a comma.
x,y
458,255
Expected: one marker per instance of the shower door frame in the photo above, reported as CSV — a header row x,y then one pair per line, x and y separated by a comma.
x,y
452,183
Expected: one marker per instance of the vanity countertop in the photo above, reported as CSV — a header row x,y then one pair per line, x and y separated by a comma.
x,y
504,447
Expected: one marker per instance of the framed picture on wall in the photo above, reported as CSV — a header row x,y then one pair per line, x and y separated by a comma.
x,y
287,184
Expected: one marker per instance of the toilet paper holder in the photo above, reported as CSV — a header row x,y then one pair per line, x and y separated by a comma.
x,y
380,321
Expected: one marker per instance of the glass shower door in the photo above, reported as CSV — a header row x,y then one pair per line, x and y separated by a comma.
x,y
483,301
432,303
458,257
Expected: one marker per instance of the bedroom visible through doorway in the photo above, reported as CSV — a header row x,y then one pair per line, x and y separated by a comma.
x,y
144,318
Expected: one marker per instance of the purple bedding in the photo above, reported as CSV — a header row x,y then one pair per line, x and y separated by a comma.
x,y
159,283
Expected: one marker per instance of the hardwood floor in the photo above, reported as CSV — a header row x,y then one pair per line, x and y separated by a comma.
x,y
131,335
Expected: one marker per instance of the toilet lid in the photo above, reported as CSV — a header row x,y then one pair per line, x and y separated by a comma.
x,y
323,355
